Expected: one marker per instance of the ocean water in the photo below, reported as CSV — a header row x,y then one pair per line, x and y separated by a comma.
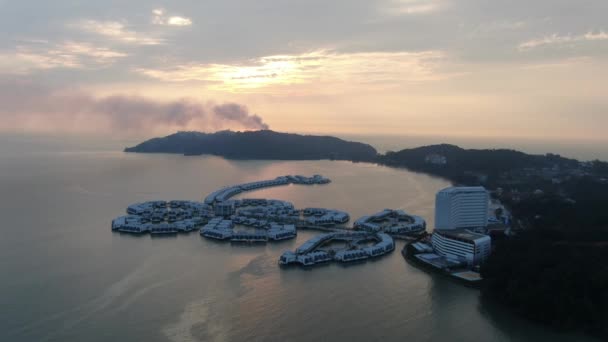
x,y
64,276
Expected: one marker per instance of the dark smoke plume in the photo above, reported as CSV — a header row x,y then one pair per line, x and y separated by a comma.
x,y
25,106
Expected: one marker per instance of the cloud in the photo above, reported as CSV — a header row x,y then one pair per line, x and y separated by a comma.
x,y
32,107
556,39
502,25
317,67
99,54
116,31
179,21
159,18
41,55
560,63
414,7
601,35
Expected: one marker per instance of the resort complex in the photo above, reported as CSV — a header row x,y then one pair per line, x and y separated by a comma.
x,y
394,222
353,246
459,241
220,217
160,217
220,229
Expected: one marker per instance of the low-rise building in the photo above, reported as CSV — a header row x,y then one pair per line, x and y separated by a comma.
x,y
224,208
436,159
462,245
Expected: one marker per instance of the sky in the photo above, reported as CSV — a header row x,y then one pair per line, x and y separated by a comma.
x,y
471,68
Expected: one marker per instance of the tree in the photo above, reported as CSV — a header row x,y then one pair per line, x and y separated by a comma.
x,y
498,213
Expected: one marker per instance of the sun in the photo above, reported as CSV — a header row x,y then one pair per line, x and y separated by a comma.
x,y
263,72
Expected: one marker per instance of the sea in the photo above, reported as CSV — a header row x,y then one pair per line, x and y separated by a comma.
x,y
65,276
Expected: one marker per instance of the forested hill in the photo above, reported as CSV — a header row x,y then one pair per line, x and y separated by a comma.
x,y
264,144
554,269
468,166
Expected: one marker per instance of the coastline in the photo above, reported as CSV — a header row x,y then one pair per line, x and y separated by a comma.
x,y
409,256
533,177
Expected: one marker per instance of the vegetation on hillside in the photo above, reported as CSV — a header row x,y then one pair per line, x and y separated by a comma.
x,y
555,270
551,279
258,145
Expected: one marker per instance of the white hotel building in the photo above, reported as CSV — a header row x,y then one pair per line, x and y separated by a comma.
x,y
461,207
458,209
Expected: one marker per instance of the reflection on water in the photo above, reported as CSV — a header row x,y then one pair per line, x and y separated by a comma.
x,y
66,277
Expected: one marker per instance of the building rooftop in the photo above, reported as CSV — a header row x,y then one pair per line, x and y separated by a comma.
x,y
463,189
461,234
468,276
